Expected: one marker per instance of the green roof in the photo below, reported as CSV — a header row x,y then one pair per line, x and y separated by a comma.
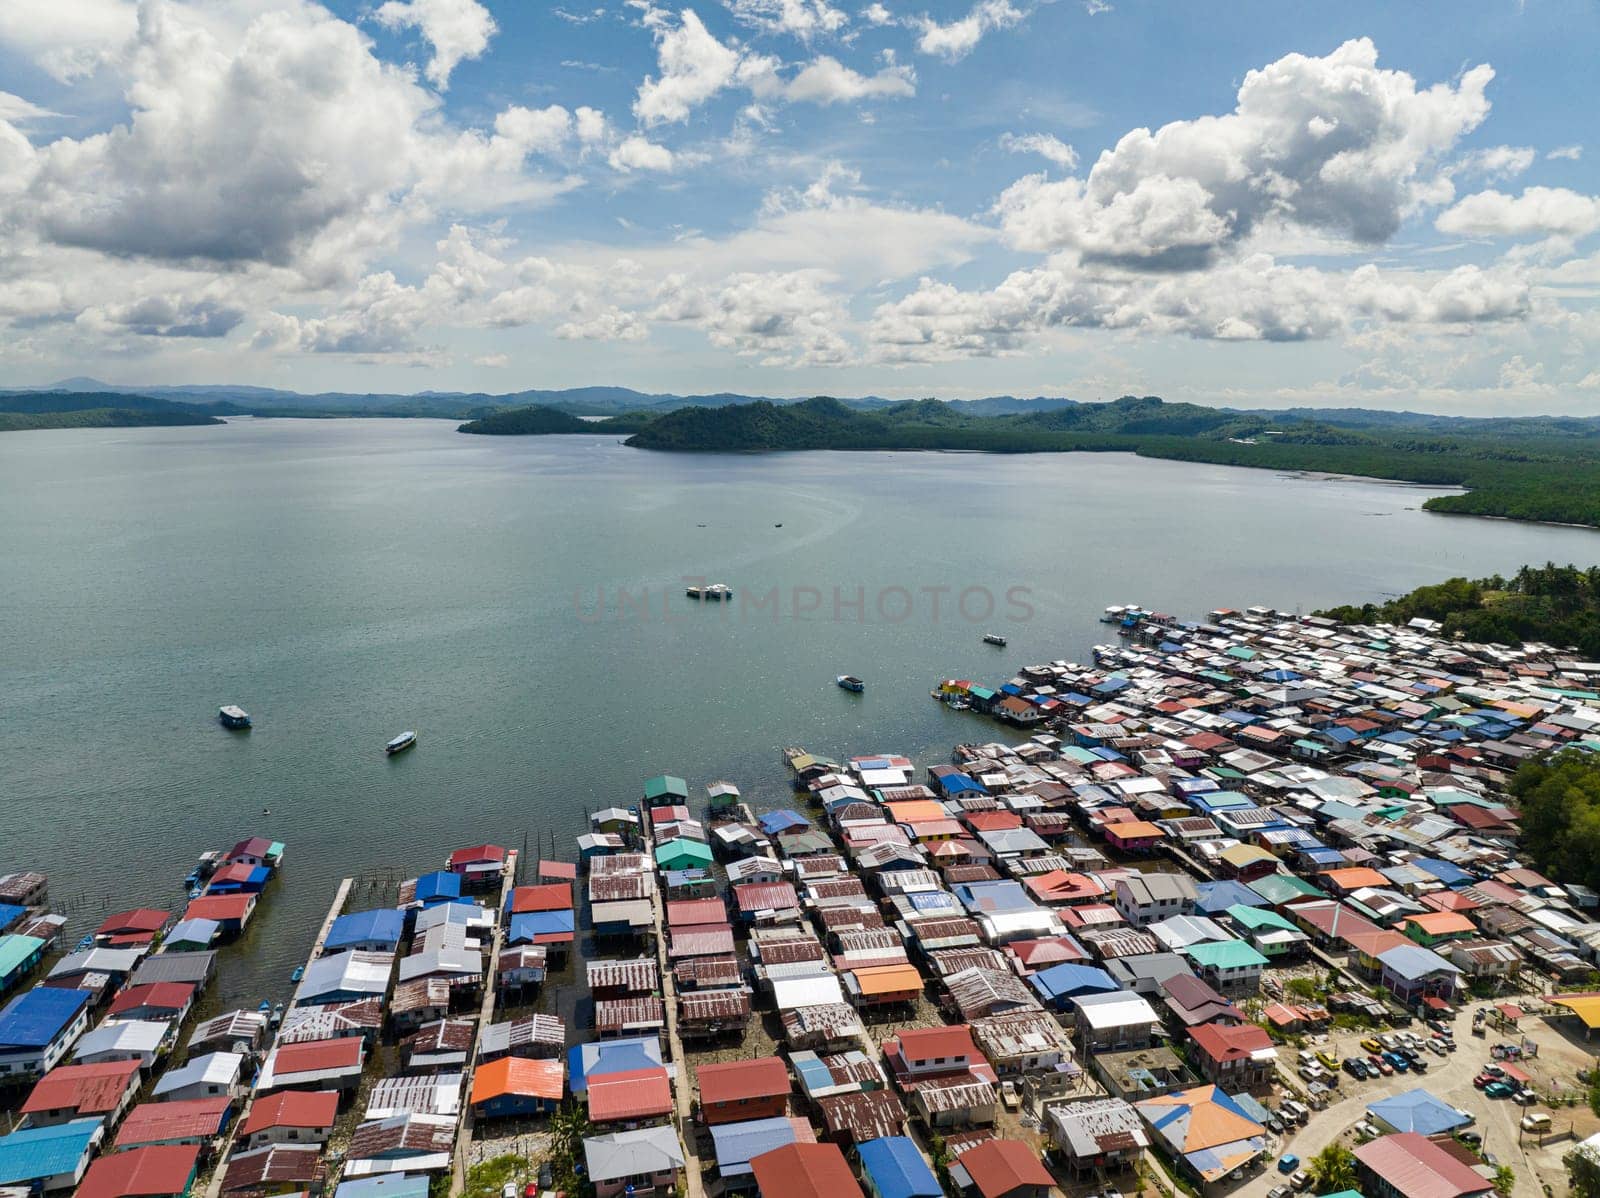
x,y
675,851
1225,954
1242,653
980,692
1283,888
666,786
1259,917
14,950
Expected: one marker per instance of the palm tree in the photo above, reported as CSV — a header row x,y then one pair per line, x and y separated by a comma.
x,y
1334,1169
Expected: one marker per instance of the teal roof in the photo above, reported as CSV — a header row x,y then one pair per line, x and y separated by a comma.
x,y
665,786
35,1153
1225,954
1259,917
1282,888
675,851
15,951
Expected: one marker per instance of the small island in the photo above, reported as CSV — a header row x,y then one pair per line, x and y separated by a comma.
x,y
26,411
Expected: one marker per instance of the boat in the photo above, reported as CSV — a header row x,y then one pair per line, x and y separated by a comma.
x,y
716,592
1113,614
277,1014
233,716
695,592
994,638
264,1006
400,743
851,683
299,972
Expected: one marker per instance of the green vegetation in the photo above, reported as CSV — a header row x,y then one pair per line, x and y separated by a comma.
x,y
20,412
1504,1181
530,421
1556,604
1533,469
1333,1169
1583,1172
486,1179
569,1126
1560,802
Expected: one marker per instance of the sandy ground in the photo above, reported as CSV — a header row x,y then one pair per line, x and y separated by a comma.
x,y
1561,1055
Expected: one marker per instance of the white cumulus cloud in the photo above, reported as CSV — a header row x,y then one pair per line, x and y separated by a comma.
x,y
1538,211
457,30
956,39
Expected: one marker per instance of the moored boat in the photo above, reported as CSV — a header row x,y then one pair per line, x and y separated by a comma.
x,y
299,972
851,683
400,743
233,716
994,638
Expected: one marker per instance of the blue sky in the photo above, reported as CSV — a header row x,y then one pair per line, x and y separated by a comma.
x,y
1246,203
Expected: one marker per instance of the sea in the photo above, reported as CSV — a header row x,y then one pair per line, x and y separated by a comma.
x,y
520,602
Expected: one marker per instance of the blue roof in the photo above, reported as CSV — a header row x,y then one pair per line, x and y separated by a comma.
x,y
383,926
737,1143
959,783
1339,734
1068,979
611,1056
896,1169
992,897
1219,896
1443,870
439,885
389,1185
35,1153
774,822
36,1018
1418,1111
540,923
932,900
9,914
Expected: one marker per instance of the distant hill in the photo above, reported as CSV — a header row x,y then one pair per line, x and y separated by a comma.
x,y
522,422
95,409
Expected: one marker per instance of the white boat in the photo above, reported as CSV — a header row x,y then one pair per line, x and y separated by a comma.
x,y
994,638
233,716
1113,614
400,743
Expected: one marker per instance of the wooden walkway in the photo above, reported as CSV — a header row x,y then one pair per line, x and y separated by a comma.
x,y
214,1185
458,1161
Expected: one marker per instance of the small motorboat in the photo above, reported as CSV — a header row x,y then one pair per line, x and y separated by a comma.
x,y
299,972
994,638
277,1014
850,683
234,716
264,1006
400,743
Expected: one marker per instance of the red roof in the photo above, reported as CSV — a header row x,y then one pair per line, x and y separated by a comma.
x,y
1000,1166
235,871
164,996
221,907
555,871
804,1171
153,1121
634,1094
89,1089
763,1077
550,896
157,1170
140,919
313,1055
765,896
688,913
292,1108
1230,1043
926,1043
478,854
256,846
992,821
1415,1167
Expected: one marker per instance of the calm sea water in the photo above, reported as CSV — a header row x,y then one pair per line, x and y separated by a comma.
x,y
346,580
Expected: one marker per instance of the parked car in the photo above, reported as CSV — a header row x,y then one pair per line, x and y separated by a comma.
x,y
1371,1045
1009,1096
1356,1068
1494,1070
1536,1122
1329,1061
1472,1139
1382,1066
1369,1130
1437,1047
1497,1090
1279,1192
1389,1041
1288,1163
1525,1098
1301,1180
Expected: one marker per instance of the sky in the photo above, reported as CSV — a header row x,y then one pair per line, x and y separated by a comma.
x,y
1251,203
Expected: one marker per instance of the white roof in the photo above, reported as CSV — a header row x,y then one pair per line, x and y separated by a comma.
x,y
215,1068
813,991
118,1036
1117,1009
354,972
632,1153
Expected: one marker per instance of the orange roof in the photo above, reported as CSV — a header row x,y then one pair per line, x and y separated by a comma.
x,y
916,811
887,979
634,1094
1375,942
925,1043
519,1076
292,1108
221,907
1441,923
549,896
1355,877
1133,829
1210,1124
804,1171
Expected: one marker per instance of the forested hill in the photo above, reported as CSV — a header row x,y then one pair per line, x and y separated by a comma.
x,y
1537,468
22,411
